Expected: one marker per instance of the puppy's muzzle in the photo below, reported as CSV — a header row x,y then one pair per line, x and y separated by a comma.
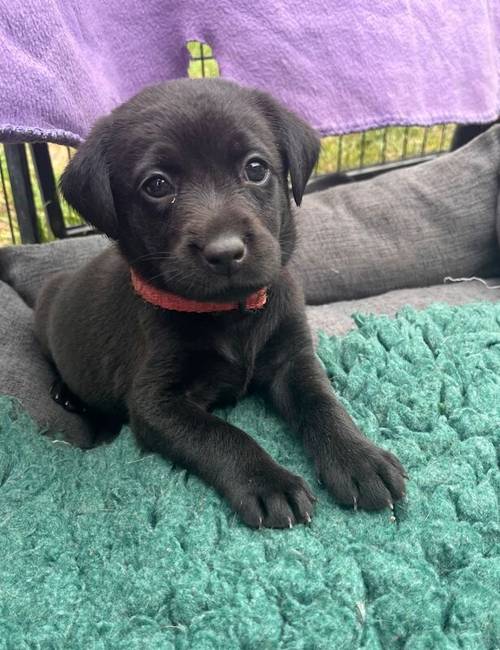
x,y
225,254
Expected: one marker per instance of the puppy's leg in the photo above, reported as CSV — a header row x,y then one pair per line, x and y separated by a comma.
x,y
43,308
355,471
262,492
61,394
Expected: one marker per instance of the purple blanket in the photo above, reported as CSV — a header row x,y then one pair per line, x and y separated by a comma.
x,y
344,65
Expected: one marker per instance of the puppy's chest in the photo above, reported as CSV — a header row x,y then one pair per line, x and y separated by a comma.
x,y
220,370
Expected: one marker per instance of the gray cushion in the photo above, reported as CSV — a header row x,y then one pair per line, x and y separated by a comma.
x,y
27,267
336,317
26,375
406,228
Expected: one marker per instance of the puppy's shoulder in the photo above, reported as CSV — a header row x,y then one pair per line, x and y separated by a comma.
x,y
101,284
110,262
288,294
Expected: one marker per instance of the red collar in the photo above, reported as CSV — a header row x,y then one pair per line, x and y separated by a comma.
x,y
172,301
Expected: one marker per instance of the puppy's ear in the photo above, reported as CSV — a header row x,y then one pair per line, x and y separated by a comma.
x,y
85,184
298,142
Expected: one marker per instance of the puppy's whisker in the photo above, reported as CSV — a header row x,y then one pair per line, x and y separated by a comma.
x,y
192,283
161,255
179,275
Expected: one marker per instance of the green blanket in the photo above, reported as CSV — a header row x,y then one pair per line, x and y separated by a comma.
x,y
112,548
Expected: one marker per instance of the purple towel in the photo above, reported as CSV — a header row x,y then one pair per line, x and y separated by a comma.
x,y
344,65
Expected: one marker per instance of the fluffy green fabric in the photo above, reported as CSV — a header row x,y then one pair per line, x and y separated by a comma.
x,y
114,549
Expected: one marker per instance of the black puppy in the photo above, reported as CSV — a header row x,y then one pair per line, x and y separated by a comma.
x,y
196,305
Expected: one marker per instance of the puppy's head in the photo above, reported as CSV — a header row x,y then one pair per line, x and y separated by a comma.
x,y
191,178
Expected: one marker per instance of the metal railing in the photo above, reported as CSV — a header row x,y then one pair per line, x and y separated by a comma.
x,y
32,210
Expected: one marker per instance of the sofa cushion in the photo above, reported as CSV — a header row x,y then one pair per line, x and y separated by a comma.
x,y
336,318
405,228
27,267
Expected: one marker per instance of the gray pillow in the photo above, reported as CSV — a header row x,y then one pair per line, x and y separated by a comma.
x,y
335,318
27,267
27,376
406,228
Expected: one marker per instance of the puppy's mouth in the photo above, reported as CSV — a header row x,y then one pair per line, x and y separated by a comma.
x,y
232,289
233,293
194,283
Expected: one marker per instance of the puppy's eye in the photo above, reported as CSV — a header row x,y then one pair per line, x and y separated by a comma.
x,y
158,186
256,171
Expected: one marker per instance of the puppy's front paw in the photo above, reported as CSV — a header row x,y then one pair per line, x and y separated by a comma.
x,y
360,474
273,498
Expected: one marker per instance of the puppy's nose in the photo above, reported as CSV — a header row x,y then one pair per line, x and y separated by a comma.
x,y
225,254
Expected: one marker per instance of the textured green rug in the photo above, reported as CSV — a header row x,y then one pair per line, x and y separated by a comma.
x,y
114,549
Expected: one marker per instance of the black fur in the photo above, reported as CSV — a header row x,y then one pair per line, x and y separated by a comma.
x,y
165,371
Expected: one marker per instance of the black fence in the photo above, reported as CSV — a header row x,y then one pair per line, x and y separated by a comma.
x,y
32,210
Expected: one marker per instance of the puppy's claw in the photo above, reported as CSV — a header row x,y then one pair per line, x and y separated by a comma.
x,y
260,522
308,518
355,506
290,525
